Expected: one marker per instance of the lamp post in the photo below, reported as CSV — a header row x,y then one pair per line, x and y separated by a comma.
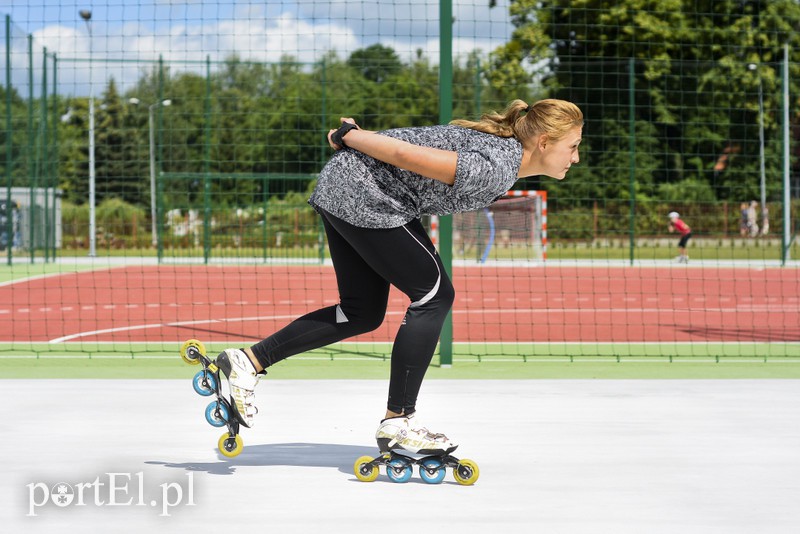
x,y
86,15
151,124
762,165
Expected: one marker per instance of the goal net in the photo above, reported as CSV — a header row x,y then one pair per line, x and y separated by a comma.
x,y
514,228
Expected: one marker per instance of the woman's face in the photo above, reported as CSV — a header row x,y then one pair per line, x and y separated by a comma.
x,y
559,156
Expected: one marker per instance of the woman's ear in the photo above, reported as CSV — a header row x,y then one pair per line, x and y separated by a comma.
x,y
542,142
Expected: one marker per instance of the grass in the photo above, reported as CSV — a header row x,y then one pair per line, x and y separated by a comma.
x,y
707,249
707,253
28,270
700,248
327,364
299,368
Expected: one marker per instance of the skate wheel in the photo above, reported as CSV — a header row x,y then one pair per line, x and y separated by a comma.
x,y
466,472
230,446
204,383
364,470
191,350
217,414
399,470
432,471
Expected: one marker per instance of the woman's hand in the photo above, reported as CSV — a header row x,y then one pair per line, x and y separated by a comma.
x,y
330,132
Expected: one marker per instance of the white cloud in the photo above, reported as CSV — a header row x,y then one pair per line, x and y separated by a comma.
x,y
303,29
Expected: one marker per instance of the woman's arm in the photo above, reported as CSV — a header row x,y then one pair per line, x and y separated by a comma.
x,y
432,163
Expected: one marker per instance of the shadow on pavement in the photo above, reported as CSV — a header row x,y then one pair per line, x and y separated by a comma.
x,y
341,457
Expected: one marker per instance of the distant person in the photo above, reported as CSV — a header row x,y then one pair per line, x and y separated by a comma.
x,y
4,238
764,221
17,224
743,221
677,225
752,219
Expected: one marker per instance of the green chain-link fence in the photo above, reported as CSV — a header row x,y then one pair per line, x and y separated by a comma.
x,y
201,145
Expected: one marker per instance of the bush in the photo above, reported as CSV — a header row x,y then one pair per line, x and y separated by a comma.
x,y
118,224
74,218
117,217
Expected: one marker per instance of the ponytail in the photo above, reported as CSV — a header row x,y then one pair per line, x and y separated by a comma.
x,y
552,117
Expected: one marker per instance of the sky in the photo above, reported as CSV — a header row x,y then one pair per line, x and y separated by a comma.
x,y
188,31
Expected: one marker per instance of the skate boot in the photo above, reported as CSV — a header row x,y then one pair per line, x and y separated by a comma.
x,y
404,434
399,436
242,381
232,408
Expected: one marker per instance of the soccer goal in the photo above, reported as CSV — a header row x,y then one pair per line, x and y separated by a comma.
x,y
514,228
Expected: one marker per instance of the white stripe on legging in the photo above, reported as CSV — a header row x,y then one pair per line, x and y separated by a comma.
x,y
432,292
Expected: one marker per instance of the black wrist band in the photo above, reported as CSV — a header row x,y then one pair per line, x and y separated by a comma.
x,y
338,136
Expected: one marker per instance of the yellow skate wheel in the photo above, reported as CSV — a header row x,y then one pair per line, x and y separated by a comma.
x,y
230,446
466,472
364,471
186,354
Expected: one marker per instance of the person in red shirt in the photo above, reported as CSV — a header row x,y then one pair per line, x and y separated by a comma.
x,y
677,225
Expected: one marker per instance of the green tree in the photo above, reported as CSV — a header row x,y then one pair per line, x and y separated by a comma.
x,y
20,150
409,97
292,118
376,63
117,168
73,143
694,67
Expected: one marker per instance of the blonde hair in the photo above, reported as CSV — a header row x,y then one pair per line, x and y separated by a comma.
x,y
555,118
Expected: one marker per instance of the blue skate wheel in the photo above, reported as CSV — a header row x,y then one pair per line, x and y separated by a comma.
x,y
204,383
432,471
399,470
217,414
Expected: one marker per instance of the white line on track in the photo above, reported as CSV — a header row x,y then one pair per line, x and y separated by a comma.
x,y
525,311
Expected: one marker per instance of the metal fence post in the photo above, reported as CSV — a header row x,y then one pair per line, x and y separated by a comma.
x,y
445,115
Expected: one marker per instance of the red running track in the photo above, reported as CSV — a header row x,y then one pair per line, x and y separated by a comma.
x,y
509,304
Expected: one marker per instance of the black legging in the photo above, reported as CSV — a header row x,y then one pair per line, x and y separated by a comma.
x,y
366,262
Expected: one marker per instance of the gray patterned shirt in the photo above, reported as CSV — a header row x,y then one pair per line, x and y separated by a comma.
x,y
371,194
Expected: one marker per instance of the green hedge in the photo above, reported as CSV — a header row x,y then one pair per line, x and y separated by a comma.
x,y
291,222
